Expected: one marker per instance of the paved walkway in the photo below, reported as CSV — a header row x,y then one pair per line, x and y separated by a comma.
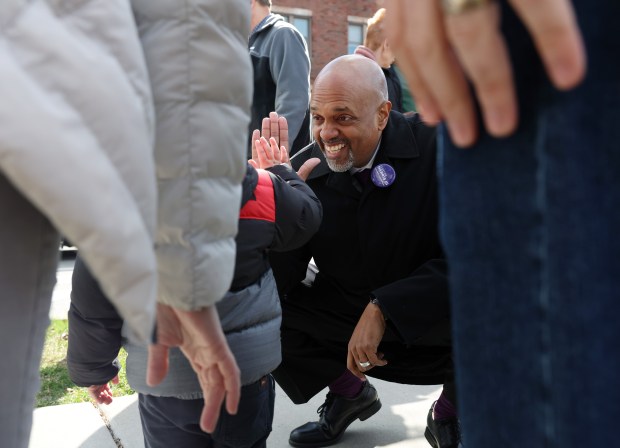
x,y
399,424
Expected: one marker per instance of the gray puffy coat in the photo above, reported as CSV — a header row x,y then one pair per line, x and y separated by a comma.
x,y
200,140
76,137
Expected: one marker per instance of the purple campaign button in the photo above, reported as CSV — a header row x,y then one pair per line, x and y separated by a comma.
x,y
383,175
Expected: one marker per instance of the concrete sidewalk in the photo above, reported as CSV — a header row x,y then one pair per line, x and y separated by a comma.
x,y
399,424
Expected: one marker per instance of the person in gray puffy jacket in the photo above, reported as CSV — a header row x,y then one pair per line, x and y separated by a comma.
x,y
278,212
83,152
201,78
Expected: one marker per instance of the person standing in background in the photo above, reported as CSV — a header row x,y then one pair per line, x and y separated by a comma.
x,y
281,73
408,103
377,48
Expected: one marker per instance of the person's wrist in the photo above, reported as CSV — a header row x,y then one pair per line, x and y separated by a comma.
x,y
375,301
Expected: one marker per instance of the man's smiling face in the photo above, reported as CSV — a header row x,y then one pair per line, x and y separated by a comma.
x,y
348,116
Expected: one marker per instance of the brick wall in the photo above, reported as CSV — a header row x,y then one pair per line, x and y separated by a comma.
x,y
329,25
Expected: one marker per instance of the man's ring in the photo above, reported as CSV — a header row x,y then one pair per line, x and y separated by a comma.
x,y
365,364
452,7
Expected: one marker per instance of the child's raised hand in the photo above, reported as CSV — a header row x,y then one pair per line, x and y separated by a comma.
x,y
268,154
275,127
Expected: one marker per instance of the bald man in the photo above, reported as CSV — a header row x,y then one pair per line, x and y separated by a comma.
x,y
378,305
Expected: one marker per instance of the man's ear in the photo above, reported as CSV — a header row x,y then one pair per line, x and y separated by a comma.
x,y
383,114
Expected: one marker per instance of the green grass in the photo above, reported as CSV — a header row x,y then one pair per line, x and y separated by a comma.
x,y
56,387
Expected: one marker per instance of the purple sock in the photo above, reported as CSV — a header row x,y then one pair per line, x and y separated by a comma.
x,y
443,408
347,385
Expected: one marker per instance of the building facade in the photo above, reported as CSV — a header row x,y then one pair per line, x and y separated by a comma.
x,y
331,27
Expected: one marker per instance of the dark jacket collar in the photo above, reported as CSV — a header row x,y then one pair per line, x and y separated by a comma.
x,y
398,140
267,22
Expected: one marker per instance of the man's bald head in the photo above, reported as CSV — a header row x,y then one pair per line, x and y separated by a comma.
x,y
358,72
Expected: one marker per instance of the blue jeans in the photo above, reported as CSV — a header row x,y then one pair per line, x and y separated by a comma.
x,y
168,421
530,227
28,260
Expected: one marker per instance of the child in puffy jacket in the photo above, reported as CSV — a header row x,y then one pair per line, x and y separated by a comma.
x,y
278,212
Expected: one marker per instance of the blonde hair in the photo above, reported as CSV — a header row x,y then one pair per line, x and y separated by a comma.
x,y
375,35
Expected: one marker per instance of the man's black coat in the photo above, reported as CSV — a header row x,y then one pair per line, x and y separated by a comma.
x,y
372,240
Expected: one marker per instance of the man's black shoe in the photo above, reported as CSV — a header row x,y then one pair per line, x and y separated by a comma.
x,y
444,433
337,413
